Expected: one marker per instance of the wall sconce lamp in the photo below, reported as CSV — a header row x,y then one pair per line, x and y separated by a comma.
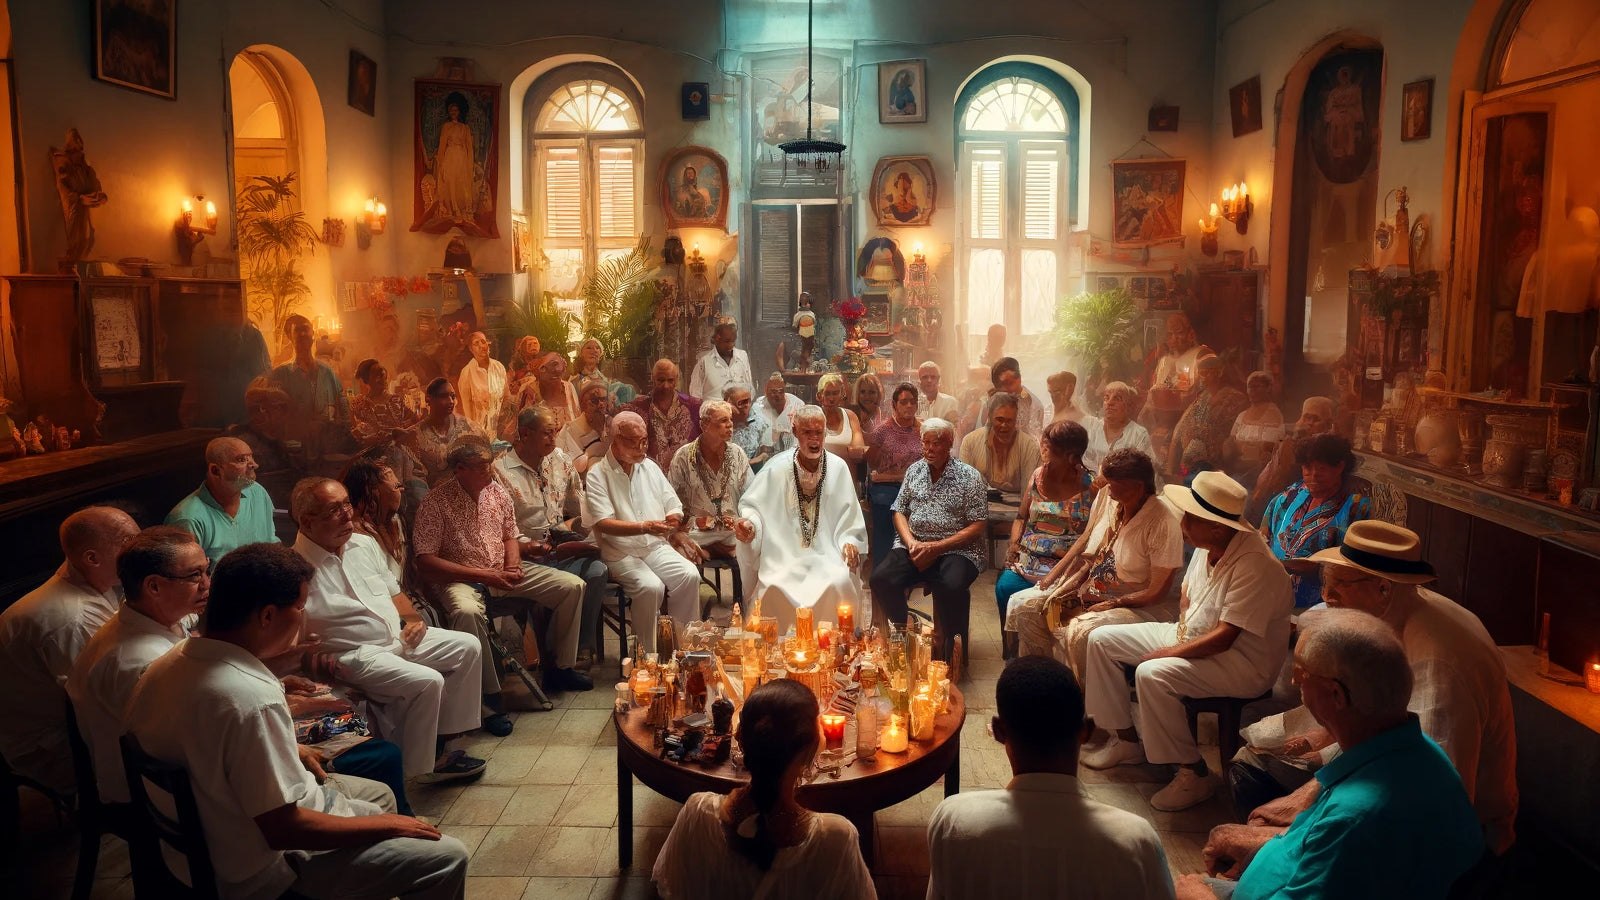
x,y
188,232
917,256
1208,232
1236,206
374,219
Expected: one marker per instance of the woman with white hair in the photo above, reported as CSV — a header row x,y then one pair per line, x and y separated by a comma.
x,y
709,473
1256,431
1114,428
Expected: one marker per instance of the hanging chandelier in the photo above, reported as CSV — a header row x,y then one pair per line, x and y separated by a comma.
x,y
810,153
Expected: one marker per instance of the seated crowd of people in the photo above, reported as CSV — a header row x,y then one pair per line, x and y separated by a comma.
x,y
301,686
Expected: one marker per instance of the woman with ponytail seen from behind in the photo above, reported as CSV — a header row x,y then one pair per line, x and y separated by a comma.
x,y
758,842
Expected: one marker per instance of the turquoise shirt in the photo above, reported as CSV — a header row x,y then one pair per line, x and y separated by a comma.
x,y
1392,821
219,532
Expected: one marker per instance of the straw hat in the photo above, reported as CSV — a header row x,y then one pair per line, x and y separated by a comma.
x,y
1378,548
1214,497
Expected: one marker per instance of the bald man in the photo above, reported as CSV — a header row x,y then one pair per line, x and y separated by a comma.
x,y
671,417
41,636
720,366
230,509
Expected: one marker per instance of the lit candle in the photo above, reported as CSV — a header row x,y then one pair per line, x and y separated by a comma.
x,y
803,631
642,683
847,621
1244,191
833,730
1214,211
1591,677
922,713
895,739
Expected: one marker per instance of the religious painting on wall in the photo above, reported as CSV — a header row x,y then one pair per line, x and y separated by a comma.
x,y
1163,118
362,92
521,242
1516,150
877,318
456,157
902,92
1345,101
1146,201
903,190
694,188
696,101
136,45
1416,110
1244,105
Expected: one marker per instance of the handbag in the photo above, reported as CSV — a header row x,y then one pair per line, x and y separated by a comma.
x,y
1062,607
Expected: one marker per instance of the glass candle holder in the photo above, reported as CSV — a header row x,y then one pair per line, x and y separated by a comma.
x,y
1591,677
833,730
895,739
804,631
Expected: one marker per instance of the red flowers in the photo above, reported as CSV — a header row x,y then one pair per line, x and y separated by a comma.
x,y
849,309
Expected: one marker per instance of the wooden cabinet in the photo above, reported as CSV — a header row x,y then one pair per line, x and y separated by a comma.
x,y
49,348
1224,316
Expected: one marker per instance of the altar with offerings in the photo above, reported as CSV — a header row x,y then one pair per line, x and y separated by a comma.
x,y
890,715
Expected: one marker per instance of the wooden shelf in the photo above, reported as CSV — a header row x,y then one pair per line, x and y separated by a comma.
x,y
1572,701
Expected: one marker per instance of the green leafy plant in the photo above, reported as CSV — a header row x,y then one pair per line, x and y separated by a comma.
x,y
542,318
272,238
1098,328
619,303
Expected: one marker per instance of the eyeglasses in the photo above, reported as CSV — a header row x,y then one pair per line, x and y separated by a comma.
x,y
1330,584
192,577
334,509
1298,672
595,401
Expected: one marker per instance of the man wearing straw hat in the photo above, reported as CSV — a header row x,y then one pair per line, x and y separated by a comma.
x,y
1230,640
1460,693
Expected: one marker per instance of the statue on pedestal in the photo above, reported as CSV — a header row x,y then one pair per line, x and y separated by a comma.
x,y
80,192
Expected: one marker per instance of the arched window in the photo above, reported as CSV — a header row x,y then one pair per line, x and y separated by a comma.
x,y
1017,132
587,161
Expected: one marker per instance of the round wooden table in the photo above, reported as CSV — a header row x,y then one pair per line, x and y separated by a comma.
x,y
863,788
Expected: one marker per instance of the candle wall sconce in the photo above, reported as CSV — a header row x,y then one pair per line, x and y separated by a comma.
x,y
189,232
1208,233
1236,206
374,219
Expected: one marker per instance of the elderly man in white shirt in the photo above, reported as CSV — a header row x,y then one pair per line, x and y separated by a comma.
x,y
547,494
1230,640
709,475
931,404
587,438
1459,690
212,706
633,510
1041,836
168,579
720,366
41,636
423,682
777,405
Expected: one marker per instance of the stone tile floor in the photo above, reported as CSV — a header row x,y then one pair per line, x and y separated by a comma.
x,y
541,823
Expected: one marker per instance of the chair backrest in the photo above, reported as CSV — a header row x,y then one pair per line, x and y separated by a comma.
x,y
82,765
179,830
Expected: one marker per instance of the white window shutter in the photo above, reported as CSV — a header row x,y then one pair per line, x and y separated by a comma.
x,y
1041,192
563,194
616,194
987,210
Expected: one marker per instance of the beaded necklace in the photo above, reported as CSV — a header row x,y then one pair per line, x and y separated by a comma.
x,y
723,476
808,522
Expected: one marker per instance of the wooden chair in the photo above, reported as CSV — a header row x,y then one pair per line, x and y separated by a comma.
x,y
1228,710
615,617
180,831
715,566
11,785
94,817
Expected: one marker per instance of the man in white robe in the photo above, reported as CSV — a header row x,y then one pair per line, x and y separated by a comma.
x,y
789,572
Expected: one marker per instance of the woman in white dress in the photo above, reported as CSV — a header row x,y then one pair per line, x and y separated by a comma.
x,y
1256,432
843,435
482,385
1114,429
759,842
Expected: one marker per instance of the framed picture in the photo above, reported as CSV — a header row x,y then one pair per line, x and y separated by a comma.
x,y
1107,283
694,188
136,45
521,242
120,335
1244,102
457,153
902,92
876,321
1156,292
1146,201
903,190
363,90
1138,287
696,101
1163,118
1416,110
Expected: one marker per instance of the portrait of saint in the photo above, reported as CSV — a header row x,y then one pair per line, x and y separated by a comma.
x,y
363,88
456,157
1147,201
1244,103
902,91
903,190
694,188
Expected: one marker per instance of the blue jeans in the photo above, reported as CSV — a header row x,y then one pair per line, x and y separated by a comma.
x,y
376,760
1007,584
882,497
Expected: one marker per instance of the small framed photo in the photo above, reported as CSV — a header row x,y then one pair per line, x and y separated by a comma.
x,y
1107,283
363,89
1244,106
1156,291
1138,287
136,45
1163,118
696,101
902,92
1416,110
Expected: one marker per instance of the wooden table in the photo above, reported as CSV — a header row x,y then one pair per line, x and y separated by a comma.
x,y
862,789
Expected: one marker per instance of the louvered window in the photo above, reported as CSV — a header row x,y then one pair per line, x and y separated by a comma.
x,y
1016,141
586,164
797,249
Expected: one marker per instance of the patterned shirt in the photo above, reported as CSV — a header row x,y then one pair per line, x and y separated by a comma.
x,y
666,431
898,446
935,510
373,421
756,438
541,497
1295,529
696,484
467,532
433,445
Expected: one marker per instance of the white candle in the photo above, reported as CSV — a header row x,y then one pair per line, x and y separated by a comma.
x,y
895,739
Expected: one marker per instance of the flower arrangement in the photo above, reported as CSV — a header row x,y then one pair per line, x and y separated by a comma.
x,y
850,309
386,289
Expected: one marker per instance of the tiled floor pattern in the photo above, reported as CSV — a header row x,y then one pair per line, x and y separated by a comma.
x,y
541,824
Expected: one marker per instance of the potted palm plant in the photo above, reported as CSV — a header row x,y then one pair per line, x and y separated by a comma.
x,y
619,308
539,316
272,237
1097,330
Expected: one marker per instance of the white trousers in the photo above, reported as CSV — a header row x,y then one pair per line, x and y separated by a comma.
x,y
1161,685
354,787
420,693
661,579
1025,615
561,592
